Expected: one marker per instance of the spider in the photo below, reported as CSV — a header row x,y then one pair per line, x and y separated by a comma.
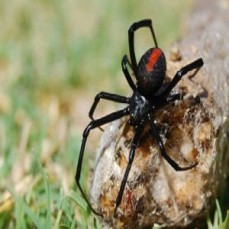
x,y
150,93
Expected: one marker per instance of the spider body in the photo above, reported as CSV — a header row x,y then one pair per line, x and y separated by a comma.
x,y
150,93
151,71
139,108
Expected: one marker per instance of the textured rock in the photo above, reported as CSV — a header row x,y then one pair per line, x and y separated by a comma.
x,y
193,130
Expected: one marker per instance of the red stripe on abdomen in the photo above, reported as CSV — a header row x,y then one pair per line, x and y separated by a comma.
x,y
154,56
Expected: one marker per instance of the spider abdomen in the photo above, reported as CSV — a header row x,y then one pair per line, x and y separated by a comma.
x,y
151,72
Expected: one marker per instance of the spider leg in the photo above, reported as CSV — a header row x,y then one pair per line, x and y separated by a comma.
x,y
164,154
197,64
174,97
93,124
125,61
135,26
107,96
162,101
134,145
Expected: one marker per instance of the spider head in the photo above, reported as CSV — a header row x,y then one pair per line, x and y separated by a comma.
x,y
151,72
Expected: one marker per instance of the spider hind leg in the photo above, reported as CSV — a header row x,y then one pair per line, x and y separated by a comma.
x,y
164,154
134,145
94,124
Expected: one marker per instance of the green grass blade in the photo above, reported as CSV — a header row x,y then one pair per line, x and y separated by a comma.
x,y
33,216
19,213
48,223
225,224
78,199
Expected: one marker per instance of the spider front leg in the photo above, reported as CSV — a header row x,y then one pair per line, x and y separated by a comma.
x,y
197,64
164,154
125,61
135,26
107,96
93,124
134,145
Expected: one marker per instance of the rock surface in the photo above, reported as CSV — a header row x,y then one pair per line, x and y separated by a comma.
x,y
195,129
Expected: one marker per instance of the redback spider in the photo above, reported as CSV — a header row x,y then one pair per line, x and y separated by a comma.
x,y
149,94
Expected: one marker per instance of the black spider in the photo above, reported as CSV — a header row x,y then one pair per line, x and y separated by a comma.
x,y
149,95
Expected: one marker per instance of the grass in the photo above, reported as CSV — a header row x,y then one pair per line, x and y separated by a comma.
x,y
54,56
218,222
